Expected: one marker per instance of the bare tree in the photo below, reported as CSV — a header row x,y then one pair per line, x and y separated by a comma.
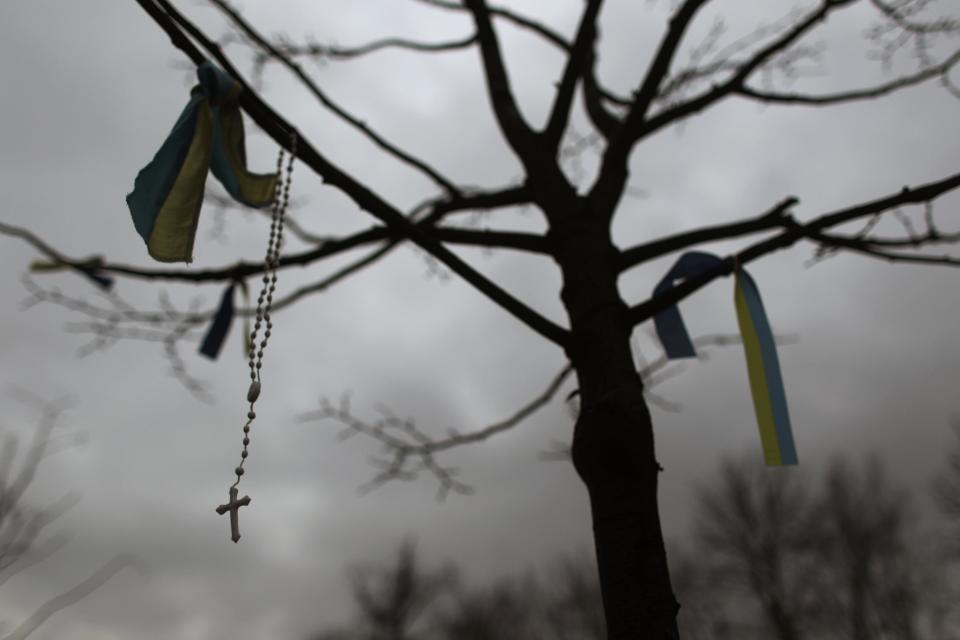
x,y
947,494
946,620
613,445
402,600
391,600
840,561
574,607
753,533
873,583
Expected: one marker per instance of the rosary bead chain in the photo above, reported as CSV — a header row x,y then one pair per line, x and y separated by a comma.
x,y
265,299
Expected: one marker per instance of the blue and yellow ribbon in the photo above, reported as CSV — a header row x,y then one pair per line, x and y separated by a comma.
x,y
763,366
168,192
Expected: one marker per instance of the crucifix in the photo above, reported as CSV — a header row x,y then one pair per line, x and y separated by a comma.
x,y
233,506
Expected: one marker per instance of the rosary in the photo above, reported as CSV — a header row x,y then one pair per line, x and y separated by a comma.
x,y
264,304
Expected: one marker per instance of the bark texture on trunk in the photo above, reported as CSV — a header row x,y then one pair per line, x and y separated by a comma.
x,y
613,447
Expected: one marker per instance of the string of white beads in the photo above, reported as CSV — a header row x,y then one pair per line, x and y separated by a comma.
x,y
265,299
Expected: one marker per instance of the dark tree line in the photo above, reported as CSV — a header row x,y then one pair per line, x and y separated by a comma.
x,y
774,556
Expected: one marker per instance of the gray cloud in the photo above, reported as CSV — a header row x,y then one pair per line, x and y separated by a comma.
x,y
91,90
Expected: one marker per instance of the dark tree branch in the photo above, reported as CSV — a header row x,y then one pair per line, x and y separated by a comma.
x,y
539,28
868,248
471,237
437,210
268,48
660,66
515,129
316,50
796,231
776,217
645,127
578,61
612,177
280,130
895,12
595,94
778,97
593,99
71,596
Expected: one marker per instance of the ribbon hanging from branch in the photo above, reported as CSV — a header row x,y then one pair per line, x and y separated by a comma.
x,y
763,366
220,326
168,192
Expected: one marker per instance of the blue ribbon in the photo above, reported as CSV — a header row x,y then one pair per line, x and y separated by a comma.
x,y
220,327
668,323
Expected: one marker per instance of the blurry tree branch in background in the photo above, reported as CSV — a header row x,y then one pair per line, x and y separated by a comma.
x,y
22,526
777,557
410,450
840,559
391,601
947,493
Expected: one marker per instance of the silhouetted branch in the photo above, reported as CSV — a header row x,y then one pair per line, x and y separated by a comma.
x,y
660,65
638,124
175,24
517,132
433,210
593,100
744,69
796,231
778,97
772,219
72,596
578,61
324,51
280,56
866,248
524,22
597,93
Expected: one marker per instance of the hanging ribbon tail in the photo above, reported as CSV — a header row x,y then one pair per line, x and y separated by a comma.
x,y
98,277
763,368
247,339
668,323
168,193
220,327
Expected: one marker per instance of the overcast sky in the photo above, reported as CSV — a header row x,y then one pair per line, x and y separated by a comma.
x,y
90,91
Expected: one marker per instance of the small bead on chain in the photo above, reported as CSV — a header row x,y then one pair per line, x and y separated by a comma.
x,y
265,299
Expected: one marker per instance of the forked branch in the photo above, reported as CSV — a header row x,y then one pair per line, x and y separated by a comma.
x,y
177,27
796,231
517,132
274,52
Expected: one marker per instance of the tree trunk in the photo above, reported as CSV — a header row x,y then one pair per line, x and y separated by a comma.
x,y
783,623
613,449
